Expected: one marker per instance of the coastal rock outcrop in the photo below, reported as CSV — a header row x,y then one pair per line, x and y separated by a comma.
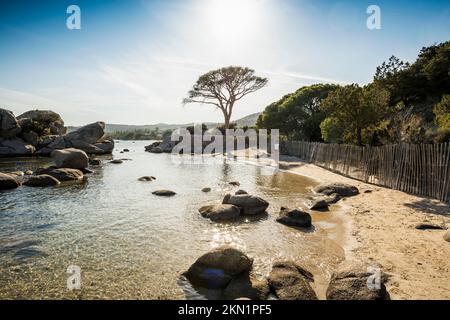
x,y
41,132
355,281
43,180
70,158
216,269
294,218
342,189
220,212
8,182
248,204
15,147
291,282
147,178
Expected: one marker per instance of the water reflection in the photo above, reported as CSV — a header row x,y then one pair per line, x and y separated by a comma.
x,y
131,244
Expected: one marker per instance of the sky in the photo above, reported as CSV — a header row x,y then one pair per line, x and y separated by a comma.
x,y
132,62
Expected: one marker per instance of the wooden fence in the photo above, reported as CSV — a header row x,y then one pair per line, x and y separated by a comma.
x,y
422,169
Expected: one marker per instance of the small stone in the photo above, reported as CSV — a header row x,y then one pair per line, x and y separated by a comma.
x,y
164,193
206,189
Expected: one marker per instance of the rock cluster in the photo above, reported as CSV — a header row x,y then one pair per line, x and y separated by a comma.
x,y
40,132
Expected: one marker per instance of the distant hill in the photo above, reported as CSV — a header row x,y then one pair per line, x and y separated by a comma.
x,y
249,120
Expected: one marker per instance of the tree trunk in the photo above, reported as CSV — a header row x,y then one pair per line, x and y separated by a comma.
x,y
227,120
359,136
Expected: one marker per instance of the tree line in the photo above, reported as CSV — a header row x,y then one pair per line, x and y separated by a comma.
x,y
405,102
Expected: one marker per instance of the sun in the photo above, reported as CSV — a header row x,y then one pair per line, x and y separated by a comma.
x,y
233,19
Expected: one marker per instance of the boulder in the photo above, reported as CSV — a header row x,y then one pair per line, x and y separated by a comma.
x,y
43,180
317,204
9,127
15,147
8,182
104,147
291,282
17,173
294,218
206,189
342,189
31,138
66,174
147,178
89,134
215,269
351,282
246,286
164,193
51,118
70,158
447,236
332,198
249,205
220,212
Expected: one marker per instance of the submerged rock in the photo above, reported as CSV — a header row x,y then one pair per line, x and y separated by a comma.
x,y
164,193
234,183
353,281
220,212
342,189
249,205
207,189
70,158
239,192
294,218
147,178
246,286
216,269
8,182
291,282
117,161
43,180
95,162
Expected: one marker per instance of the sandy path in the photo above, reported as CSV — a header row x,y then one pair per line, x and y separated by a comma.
x,y
380,229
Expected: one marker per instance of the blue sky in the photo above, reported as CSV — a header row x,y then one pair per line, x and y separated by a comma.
x,y
133,61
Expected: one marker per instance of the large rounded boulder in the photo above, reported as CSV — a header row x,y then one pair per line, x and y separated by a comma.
x,y
43,180
66,174
15,147
291,282
70,158
220,212
216,269
294,218
248,204
8,182
357,281
43,119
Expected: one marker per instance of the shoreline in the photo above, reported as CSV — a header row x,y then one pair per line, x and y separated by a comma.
x,y
379,228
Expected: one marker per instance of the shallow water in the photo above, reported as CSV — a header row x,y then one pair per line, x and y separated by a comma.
x,y
131,244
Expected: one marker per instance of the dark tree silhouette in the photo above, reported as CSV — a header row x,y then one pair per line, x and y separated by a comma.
x,y
223,87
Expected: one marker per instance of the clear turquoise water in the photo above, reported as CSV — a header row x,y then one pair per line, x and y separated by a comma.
x,y
131,244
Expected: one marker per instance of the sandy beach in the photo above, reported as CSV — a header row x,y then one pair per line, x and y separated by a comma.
x,y
379,228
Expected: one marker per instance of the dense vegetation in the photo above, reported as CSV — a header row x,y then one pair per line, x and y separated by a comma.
x,y
405,102
139,134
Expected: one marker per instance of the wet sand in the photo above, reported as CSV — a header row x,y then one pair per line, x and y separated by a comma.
x,y
379,228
